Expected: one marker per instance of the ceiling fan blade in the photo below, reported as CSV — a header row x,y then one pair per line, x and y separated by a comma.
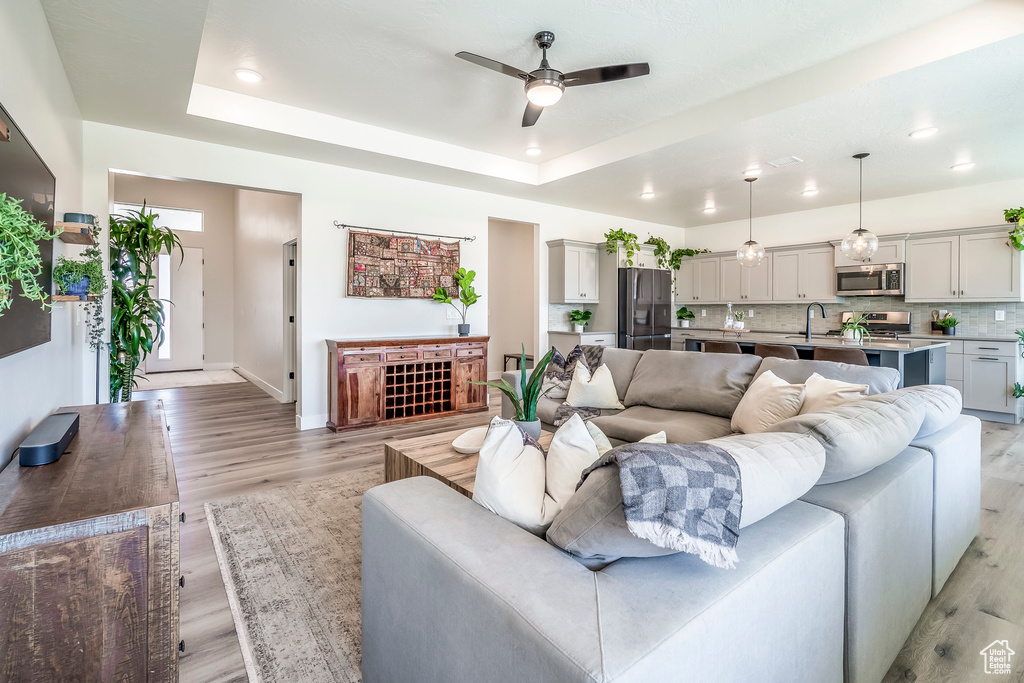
x,y
603,74
493,65
531,114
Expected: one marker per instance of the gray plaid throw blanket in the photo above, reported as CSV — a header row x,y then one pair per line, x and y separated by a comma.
x,y
682,496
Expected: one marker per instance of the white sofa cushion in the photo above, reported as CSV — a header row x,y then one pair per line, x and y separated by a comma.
x,y
571,451
595,390
824,393
768,400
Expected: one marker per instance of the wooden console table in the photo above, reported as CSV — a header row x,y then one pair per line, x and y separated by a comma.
x,y
386,381
89,554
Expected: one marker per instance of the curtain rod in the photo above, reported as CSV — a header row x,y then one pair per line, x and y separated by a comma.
x,y
342,226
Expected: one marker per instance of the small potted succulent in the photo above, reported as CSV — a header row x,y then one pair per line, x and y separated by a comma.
x,y
467,296
855,329
525,400
684,316
738,323
579,320
948,325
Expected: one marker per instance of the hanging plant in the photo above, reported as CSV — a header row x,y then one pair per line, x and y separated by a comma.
x,y
662,250
1016,216
98,288
20,262
628,239
675,259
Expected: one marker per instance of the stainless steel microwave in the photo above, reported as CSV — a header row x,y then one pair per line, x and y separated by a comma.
x,y
871,279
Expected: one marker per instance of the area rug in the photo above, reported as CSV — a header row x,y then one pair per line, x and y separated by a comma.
x,y
187,378
290,558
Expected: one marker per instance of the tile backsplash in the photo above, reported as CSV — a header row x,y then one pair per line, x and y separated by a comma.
x,y
558,316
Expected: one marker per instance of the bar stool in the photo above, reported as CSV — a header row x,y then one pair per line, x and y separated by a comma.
x,y
851,356
776,351
721,347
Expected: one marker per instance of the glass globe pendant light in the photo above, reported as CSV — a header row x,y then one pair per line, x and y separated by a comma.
x,y
861,244
750,253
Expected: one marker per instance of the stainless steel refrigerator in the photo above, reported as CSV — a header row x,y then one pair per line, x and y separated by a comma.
x,y
645,309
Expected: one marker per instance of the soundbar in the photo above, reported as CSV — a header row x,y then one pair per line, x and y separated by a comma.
x,y
49,440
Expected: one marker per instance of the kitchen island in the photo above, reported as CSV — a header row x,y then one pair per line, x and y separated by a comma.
x,y
919,361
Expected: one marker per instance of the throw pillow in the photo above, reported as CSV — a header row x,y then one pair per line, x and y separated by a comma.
x,y
558,373
604,445
768,400
824,393
571,451
593,391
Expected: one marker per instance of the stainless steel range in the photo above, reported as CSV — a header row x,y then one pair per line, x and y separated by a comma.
x,y
881,325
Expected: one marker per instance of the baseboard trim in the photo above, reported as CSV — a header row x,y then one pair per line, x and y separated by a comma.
x,y
307,422
269,389
219,366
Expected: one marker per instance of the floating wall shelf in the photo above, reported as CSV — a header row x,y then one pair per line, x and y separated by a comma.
x,y
67,297
76,233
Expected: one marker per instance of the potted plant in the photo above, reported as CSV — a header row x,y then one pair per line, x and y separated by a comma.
x,y
738,320
525,400
20,262
467,296
948,325
579,320
79,278
629,242
1016,216
855,329
684,316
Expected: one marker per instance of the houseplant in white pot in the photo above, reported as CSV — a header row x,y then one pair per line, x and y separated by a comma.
x,y
738,320
684,316
579,320
530,389
855,329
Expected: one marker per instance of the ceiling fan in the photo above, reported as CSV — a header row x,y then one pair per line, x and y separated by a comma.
x,y
544,85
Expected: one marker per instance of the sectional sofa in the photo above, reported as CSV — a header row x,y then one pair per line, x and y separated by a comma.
x,y
828,587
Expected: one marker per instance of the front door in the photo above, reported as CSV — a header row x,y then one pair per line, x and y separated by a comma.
x,y
179,281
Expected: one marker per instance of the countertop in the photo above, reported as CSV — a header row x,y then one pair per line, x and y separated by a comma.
x,y
584,332
902,345
909,335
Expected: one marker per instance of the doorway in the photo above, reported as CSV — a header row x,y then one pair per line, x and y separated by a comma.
x,y
512,291
179,287
291,324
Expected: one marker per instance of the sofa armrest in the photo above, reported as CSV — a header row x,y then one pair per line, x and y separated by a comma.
x,y
512,377
444,597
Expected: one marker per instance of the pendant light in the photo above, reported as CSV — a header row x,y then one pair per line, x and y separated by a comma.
x,y
750,254
861,244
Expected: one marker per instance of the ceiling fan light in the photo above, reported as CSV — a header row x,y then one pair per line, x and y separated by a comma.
x,y
543,92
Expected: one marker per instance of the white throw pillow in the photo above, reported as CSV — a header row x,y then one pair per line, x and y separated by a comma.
x,y
768,400
604,445
572,450
593,391
824,393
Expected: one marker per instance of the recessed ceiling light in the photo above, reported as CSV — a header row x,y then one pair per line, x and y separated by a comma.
x,y
710,208
924,133
809,191
750,172
533,151
248,75
647,194
965,166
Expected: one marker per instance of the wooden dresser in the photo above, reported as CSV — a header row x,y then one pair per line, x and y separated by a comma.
x,y
385,381
89,554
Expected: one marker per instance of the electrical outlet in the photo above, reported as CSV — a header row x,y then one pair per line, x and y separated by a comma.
x,y
1000,315
703,312
452,314
750,313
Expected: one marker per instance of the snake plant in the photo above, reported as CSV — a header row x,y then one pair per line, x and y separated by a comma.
x,y
526,406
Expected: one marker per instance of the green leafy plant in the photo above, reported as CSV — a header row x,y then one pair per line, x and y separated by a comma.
x,y
662,250
97,287
1018,390
524,402
629,241
1016,236
1020,341
685,314
675,259
20,261
467,295
69,272
738,316
948,321
857,323
136,316
580,317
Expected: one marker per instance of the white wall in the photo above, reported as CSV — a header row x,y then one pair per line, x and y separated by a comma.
x,y
264,222
217,240
332,193
964,207
510,291
35,91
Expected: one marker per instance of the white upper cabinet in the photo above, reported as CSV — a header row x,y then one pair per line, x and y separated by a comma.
x,y
573,273
977,266
739,283
889,251
697,280
685,292
803,275
643,256
732,279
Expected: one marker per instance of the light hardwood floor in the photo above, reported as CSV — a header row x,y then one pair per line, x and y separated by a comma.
x,y
233,439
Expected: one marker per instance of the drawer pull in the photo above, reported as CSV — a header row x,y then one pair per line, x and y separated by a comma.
x,y
988,348
984,358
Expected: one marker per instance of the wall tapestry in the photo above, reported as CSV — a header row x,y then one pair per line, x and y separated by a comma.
x,y
393,267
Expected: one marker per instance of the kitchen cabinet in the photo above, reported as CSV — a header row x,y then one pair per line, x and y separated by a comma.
x,y
803,275
697,281
685,280
972,266
889,251
567,341
988,383
739,283
643,256
573,273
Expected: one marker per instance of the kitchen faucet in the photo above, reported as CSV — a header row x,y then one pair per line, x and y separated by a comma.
x,y
823,316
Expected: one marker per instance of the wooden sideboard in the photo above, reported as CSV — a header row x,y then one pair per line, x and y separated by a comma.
x,y
89,570
386,381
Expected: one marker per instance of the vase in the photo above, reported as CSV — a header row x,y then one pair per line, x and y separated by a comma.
x,y
950,331
464,330
738,325
576,327
532,428
852,336
79,289
684,323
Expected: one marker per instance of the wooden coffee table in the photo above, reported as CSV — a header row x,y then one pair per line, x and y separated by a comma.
x,y
433,456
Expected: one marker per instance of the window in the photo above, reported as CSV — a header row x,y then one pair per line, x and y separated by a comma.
x,y
178,220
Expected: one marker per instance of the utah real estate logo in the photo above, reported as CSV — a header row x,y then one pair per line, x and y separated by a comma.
x,y
997,657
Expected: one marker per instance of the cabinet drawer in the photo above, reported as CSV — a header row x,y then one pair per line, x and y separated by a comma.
x,y
597,339
361,358
471,345
411,354
984,348
468,352
954,347
438,353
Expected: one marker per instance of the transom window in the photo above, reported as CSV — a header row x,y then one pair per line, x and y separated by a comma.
x,y
188,220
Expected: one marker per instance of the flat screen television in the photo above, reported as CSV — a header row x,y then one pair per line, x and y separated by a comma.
x,y
24,176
